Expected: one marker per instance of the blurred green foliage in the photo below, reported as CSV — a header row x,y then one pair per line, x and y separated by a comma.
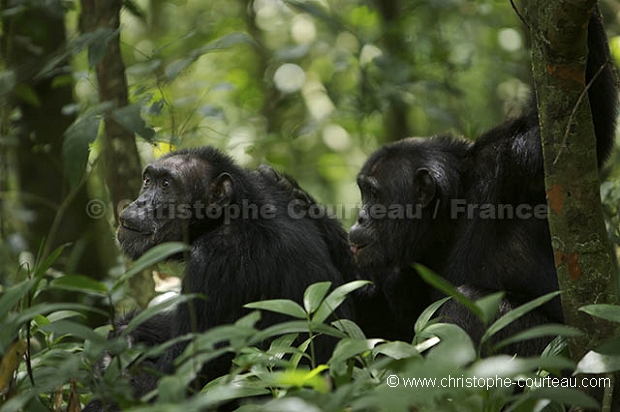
x,y
306,86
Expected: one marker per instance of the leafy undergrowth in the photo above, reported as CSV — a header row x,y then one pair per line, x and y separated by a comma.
x,y
50,358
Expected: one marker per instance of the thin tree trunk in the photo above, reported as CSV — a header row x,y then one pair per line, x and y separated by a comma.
x,y
395,120
120,154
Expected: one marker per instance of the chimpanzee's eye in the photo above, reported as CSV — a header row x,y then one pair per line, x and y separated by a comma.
x,y
146,181
165,183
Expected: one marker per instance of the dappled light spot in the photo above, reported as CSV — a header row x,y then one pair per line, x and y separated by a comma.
x,y
289,78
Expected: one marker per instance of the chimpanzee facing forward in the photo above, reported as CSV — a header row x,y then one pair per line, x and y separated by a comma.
x,y
458,191
246,246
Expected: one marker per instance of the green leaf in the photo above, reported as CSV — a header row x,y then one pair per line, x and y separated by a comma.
x,y
515,314
539,332
7,82
151,257
13,295
298,379
350,328
314,295
45,308
555,347
444,286
455,348
348,348
489,306
335,299
130,119
424,319
66,327
596,363
76,146
65,314
396,350
98,44
219,391
27,94
295,327
79,283
284,306
603,311
567,396
152,311
41,268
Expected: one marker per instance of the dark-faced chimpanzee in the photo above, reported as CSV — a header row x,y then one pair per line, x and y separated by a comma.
x,y
247,244
474,211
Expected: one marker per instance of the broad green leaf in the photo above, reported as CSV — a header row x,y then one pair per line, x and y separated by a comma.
x,y
297,379
295,327
314,295
97,44
455,348
171,389
7,82
396,350
65,314
27,94
335,299
350,328
79,283
555,347
151,257
45,308
603,311
597,363
489,305
13,295
348,348
444,286
539,332
66,327
155,310
130,118
284,306
515,314
250,320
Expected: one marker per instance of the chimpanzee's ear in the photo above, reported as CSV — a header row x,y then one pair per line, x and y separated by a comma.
x,y
221,192
424,186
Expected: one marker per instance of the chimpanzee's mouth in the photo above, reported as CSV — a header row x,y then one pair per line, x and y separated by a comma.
x,y
130,228
355,249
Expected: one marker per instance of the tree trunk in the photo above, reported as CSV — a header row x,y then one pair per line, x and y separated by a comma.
x,y
586,266
395,120
120,154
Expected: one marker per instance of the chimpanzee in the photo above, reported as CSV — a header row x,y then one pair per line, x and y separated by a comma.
x,y
471,211
247,244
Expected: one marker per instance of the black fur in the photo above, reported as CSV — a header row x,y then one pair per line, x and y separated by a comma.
x,y
504,166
